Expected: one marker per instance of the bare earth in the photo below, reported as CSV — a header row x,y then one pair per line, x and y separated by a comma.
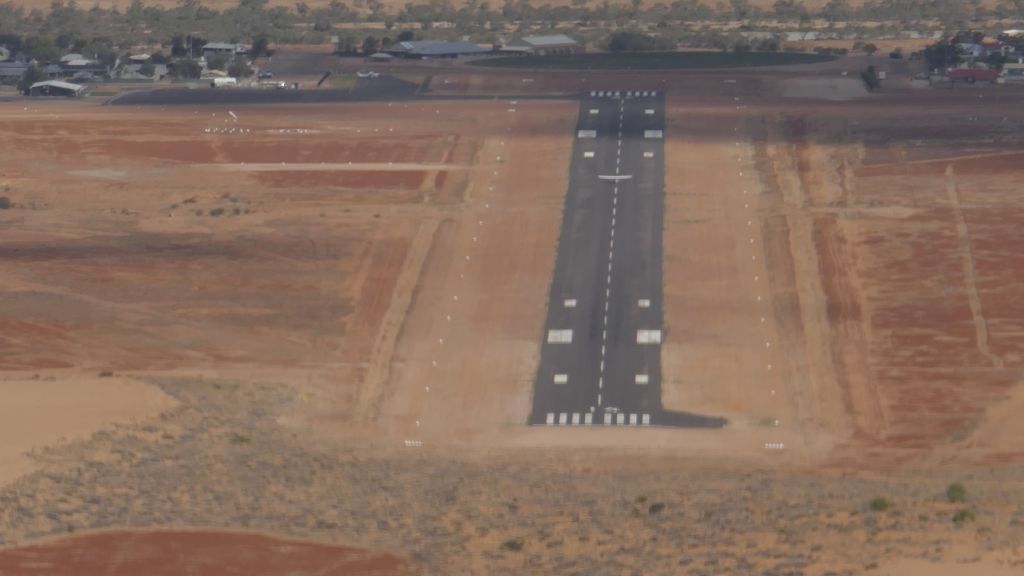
x,y
288,301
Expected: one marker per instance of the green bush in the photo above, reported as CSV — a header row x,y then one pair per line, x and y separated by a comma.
x,y
956,492
880,504
513,544
963,516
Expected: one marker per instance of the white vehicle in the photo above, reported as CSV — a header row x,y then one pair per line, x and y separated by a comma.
x,y
370,74
223,82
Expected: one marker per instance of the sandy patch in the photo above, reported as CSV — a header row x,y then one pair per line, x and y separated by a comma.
x,y
170,553
37,412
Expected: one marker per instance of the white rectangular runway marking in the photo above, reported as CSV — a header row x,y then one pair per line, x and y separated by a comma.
x,y
561,378
648,336
646,420
632,419
588,418
652,134
569,303
648,154
649,111
550,419
594,110
620,418
560,336
588,154
587,134
575,418
607,419
640,379
643,303
563,418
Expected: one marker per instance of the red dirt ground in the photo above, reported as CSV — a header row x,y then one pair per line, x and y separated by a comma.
x,y
171,553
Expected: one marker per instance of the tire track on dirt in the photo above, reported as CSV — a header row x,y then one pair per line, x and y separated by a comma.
x,y
970,279
372,389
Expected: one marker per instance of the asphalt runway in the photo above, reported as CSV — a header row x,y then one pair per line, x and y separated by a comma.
x,y
365,90
601,349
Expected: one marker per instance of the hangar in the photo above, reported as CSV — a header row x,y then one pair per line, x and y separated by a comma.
x,y
543,45
425,49
56,88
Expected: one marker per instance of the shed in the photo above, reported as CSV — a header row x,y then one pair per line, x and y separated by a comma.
x,y
56,88
224,48
1013,72
132,72
380,57
543,45
12,72
424,49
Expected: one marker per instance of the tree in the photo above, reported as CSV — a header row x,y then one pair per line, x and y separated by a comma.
x,y
941,55
789,10
740,9
216,62
30,77
239,68
406,35
186,69
632,41
835,10
147,69
260,47
41,48
370,45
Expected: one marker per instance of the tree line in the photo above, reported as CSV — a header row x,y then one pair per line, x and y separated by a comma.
x,y
634,26
66,21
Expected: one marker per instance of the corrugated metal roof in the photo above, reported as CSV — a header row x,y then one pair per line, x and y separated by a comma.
x,y
551,40
437,48
58,84
222,46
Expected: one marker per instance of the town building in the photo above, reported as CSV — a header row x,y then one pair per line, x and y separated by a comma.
x,y
12,72
56,88
543,45
224,49
427,49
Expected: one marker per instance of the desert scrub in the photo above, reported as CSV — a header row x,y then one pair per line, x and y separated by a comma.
x,y
239,439
513,544
880,504
956,493
963,516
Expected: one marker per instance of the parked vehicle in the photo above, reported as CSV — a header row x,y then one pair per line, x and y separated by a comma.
x,y
972,75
